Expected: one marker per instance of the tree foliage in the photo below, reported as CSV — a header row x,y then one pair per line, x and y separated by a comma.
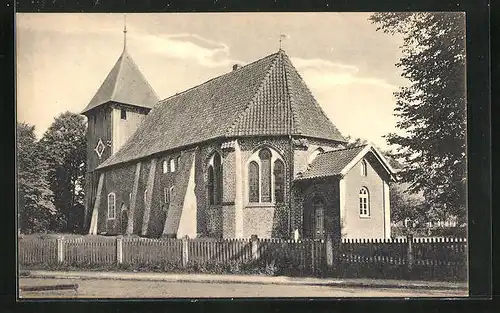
x,y
431,109
34,198
64,150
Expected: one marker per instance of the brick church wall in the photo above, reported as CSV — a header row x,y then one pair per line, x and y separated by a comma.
x,y
266,220
263,220
115,181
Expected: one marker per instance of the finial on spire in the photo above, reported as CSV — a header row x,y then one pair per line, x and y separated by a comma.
x,y
282,37
124,31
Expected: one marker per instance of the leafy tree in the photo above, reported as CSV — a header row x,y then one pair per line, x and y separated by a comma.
x,y
431,109
64,149
35,207
354,142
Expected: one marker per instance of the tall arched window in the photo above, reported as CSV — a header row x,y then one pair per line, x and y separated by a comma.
x,y
172,165
253,182
364,168
214,183
165,166
217,193
319,218
279,181
111,206
265,161
210,184
364,202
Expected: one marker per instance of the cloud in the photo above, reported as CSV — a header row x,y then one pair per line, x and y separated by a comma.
x,y
350,99
325,74
184,46
324,65
205,52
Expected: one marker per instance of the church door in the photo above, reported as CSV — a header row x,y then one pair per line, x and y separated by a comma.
x,y
314,218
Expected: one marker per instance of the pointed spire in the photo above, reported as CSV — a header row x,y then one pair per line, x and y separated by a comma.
x,y
124,32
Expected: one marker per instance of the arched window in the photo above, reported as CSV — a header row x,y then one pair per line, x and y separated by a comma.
x,y
170,194
166,196
319,218
111,206
165,166
217,179
313,155
210,185
265,161
178,161
145,196
172,165
279,181
253,182
364,202
214,183
364,168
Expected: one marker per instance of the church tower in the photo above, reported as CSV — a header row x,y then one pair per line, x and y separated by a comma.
x,y
114,113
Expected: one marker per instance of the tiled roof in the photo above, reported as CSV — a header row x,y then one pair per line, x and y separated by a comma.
x,y
331,163
266,97
124,84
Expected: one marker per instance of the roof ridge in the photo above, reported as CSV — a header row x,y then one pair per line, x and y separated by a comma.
x,y
214,78
255,95
296,124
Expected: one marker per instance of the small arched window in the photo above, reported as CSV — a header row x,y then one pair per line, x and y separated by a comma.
x,y
172,165
145,195
165,166
364,168
265,161
279,181
111,206
364,202
253,181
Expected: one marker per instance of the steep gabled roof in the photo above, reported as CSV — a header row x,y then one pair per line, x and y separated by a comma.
x,y
340,162
125,84
266,97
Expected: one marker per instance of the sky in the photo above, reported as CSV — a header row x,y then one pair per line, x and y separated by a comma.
x,y
62,59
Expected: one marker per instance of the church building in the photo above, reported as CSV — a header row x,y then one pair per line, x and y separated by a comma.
x,y
250,152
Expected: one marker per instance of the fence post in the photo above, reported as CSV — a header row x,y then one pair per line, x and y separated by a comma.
x,y
60,249
409,251
255,247
119,249
329,251
185,251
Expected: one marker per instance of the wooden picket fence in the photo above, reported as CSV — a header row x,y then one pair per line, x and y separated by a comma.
x,y
433,259
417,258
